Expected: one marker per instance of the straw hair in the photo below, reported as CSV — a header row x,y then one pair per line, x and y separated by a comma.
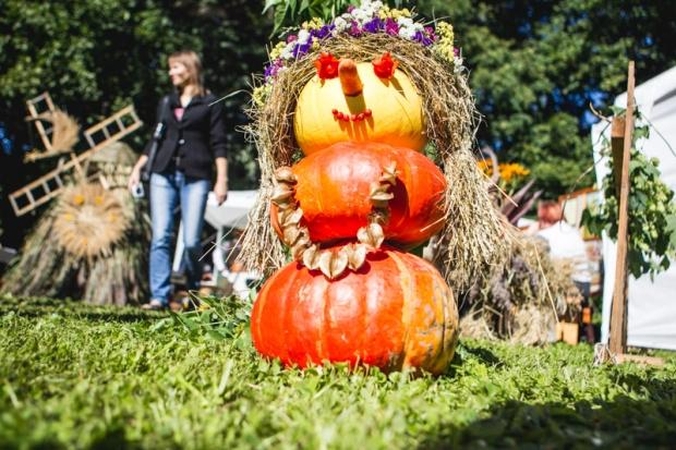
x,y
473,235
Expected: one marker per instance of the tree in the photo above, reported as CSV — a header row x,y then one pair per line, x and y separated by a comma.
x,y
536,66
96,56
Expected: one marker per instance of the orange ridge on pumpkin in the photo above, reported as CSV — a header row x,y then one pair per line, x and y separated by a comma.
x,y
343,188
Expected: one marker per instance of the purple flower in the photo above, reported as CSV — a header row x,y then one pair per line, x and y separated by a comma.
x,y
391,27
301,49
429,31
291,38
272,69
322,32
421,37
354,30
374,25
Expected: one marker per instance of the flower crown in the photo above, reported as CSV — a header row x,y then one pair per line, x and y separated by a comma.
x,y
370,17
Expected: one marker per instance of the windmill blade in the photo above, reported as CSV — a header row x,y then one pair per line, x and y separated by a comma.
x,y
64,134
37,108
47,187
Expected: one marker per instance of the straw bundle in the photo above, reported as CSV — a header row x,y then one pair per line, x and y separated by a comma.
x,y
92,244
521,300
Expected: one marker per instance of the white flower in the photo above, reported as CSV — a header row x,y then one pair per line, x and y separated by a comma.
x,y
303,36
287,53
405,22
408,28
457,61
362,15
341,24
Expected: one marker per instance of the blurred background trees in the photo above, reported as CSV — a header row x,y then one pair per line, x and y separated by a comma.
x,y
535,67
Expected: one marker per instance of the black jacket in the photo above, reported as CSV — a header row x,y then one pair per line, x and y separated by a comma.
x,y
193,143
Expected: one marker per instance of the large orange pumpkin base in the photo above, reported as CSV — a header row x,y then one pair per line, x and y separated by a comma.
x,y
395,313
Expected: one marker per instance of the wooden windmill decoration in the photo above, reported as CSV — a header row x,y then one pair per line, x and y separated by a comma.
x,y
59,133
57,130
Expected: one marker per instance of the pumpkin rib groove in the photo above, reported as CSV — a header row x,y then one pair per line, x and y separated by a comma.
x,y
405,283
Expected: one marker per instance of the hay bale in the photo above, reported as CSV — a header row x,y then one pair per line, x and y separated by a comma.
x,y
91,244
522,300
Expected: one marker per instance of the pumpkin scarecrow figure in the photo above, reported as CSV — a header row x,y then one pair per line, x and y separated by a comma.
x,y
364,127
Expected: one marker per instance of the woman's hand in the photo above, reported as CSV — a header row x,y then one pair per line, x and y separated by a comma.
x,y
134,179
221,185
135,175
221,191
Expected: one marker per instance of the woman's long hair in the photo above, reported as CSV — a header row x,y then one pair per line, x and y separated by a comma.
x,y
193,64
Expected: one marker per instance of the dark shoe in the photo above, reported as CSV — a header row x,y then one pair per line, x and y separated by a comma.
x,y
184,304
154,305
176,306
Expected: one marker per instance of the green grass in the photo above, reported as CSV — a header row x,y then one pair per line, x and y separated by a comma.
x,y
77,376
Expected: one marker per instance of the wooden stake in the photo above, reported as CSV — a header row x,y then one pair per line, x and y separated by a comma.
x,y
621,140
618,318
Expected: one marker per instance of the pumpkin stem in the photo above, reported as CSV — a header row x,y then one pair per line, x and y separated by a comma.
x,y
349,77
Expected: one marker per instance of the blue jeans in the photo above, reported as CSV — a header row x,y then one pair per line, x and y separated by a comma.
x,y
166,192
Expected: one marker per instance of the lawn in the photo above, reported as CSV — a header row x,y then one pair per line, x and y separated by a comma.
x,y
79,376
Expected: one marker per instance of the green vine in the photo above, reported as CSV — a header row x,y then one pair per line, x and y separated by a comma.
x,y
652,212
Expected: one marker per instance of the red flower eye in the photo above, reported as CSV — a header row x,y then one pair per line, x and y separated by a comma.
x,y
385,66
327,66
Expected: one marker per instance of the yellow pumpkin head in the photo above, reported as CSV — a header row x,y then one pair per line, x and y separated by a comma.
x,y
359,102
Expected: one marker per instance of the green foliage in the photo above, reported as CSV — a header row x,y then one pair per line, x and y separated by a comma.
x,y
289,13
219,318
96,56
652,211
536,66
77,376
294,12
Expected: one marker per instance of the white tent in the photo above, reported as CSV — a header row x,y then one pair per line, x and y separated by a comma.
x,y
651,304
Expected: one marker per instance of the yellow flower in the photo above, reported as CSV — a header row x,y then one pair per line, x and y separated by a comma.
x,y
513,172
486,166
397,13
313,24
261,94
277,50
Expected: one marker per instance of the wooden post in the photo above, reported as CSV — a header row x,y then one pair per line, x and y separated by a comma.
x,y
618,316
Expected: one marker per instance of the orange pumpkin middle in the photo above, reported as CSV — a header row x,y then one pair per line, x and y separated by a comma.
x,y
336,191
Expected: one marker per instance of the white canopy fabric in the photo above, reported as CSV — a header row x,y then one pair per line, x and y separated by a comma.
x,y
651,304
233,213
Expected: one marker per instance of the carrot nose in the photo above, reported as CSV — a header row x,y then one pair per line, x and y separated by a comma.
x,y
349,78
